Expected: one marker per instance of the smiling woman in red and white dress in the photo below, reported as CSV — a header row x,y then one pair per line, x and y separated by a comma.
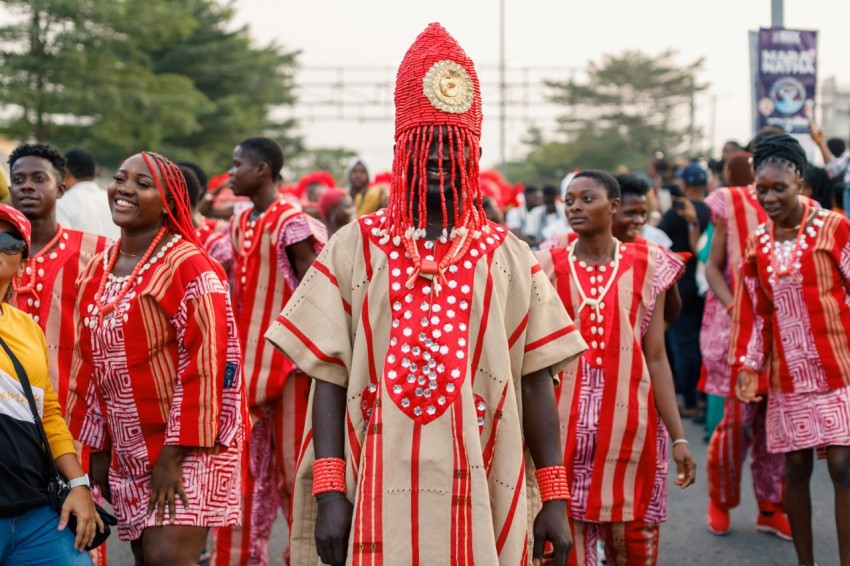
x,y
157,383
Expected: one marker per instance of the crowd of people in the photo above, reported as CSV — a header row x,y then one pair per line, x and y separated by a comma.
x,y
424,366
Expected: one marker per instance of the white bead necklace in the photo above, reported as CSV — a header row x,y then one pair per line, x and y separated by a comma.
x,y
596,302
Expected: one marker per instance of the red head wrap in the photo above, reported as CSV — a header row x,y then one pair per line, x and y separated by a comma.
x,y
329,199
437,91
314,177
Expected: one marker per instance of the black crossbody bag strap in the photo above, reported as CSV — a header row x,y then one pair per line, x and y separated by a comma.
x,y
25,382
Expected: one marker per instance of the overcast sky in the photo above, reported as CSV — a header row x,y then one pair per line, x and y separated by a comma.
x,y
540,33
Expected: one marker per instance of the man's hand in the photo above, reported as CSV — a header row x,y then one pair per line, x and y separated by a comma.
x,y
551,525
746,390
333,524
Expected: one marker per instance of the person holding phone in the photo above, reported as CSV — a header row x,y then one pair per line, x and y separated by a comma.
x,y
28,524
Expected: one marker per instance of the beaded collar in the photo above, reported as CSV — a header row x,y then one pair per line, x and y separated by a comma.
x,y
116,306
30,283
428,356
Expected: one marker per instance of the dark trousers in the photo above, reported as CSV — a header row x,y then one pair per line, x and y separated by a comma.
x,y
685,358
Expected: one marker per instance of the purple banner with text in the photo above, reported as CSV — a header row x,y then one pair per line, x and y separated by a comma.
x,y
785,79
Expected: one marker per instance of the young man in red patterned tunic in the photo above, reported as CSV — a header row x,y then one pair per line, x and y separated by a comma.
x,y
274,246
434,339
736,213
46,288
618,403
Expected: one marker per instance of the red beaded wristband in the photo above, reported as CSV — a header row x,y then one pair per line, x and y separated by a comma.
x,y
328,475
553,483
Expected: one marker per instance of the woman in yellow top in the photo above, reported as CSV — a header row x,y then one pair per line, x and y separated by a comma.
x,y
28,524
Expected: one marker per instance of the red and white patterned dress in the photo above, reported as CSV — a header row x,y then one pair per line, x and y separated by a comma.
x,y
164,368
742,429
793,319
615,444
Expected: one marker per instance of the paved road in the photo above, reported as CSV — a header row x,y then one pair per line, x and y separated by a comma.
x,y
684,538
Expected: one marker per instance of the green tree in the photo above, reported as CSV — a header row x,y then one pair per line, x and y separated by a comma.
x,y
629,106
242,83
126,75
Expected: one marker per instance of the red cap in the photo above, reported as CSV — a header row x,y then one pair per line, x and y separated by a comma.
x,y
437,85
18,221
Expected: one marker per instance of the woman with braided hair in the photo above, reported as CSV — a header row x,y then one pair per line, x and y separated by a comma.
x,y
156,387
791,323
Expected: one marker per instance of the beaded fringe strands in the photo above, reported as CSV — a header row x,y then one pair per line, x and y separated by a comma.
x,y
103,307
407,211
30,282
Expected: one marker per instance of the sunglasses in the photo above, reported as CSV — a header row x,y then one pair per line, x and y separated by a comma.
x,y
11,243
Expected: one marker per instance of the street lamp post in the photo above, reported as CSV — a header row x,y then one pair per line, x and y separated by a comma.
x,y
503,88
777,13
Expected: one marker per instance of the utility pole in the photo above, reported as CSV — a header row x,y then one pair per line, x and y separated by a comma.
x,y
503,91
777,13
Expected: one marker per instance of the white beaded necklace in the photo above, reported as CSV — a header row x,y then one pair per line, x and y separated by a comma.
x,y
585,301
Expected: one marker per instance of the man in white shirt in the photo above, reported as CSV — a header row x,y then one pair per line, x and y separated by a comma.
x,y
550,214
85,206
516,217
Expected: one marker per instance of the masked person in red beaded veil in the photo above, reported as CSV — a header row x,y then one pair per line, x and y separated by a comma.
x,y
433,339
46,288
617,404
156,386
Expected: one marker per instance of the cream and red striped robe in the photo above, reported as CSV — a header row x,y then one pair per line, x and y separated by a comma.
x,y
615,445
435,465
